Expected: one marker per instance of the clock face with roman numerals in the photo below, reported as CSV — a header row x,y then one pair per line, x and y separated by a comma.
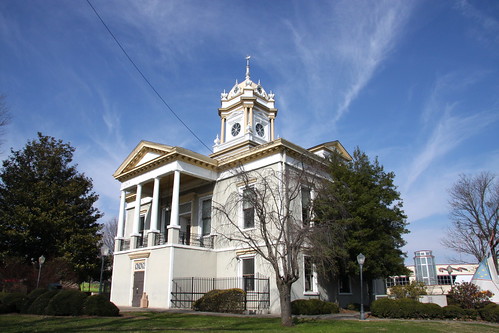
x,y
259,129
236,128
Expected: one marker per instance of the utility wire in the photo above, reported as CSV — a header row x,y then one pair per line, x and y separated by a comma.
x,y
144,77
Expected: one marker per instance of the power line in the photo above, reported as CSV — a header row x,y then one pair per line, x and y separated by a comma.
x,y
143,76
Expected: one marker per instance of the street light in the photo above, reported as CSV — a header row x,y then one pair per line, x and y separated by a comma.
x,y
104,251
41,260
360,259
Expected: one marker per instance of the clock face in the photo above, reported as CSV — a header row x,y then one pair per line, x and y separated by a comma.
x,y
236,128
259,129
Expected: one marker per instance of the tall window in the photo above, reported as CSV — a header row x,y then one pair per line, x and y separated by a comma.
x,y
206,216
305,205
249,274
142,241
308,274
248,208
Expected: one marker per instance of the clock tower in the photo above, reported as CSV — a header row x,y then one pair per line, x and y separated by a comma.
x,y
247,117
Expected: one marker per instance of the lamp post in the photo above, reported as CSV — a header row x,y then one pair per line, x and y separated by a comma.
x,y
104,251
41,260
360,259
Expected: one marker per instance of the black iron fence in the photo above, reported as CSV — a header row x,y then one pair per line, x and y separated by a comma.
x,y
186,291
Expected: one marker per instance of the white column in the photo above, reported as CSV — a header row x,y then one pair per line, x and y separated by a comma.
x,y
174,220
136,213
155,206
121,216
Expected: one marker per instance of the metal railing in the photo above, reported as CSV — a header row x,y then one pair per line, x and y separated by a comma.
x,y
186,291
186,238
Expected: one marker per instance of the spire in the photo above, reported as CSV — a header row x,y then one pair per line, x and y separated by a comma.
x,y
248,67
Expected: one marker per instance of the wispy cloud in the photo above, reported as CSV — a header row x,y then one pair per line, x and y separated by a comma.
x,y
486,28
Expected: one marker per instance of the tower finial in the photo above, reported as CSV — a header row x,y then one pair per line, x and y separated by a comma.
x,y
248,67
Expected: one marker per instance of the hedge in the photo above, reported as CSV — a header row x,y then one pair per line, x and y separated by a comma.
x,y
490,312
405,308
41,302
228,300
30,298
12,302
66,303
99,305
313,307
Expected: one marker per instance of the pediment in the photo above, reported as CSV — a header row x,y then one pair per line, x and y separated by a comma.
x,y
144,152
326,148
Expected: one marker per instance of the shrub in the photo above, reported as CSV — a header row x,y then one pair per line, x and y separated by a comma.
x,y
490,312
13,302
41,302
405,308
430,311
66,303
468,295
313,307
453,312
99,305
412,290
229,300
30,298
381,307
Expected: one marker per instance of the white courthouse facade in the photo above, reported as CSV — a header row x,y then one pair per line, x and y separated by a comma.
x,y
168,252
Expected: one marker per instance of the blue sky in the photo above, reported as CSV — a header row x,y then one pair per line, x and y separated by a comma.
x,y
415,83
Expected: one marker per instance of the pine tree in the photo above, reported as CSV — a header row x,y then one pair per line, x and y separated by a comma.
x,y
361,210
46,206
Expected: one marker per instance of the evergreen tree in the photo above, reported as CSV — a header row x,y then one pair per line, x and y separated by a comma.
x,y
360,211
46,206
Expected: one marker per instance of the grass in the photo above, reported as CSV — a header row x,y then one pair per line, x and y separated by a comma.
x,y
181,322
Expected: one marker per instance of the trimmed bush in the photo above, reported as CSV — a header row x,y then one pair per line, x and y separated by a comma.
x,y
490,312
313,307
13,302
40,304
405,308
430,311
66,303
99,305
453,312
30,298
228,300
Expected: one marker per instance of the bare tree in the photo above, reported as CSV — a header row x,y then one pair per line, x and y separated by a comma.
x,y
474,202
4,114
109,230
275,221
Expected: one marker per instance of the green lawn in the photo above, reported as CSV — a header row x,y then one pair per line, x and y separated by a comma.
x,y
177,322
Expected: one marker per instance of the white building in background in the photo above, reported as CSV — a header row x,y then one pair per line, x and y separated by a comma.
x,y
438,278
167,250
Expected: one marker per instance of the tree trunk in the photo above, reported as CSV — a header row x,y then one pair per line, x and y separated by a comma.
x,y
285,299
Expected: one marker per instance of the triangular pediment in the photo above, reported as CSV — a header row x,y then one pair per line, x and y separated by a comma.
x,y
145,152
326,148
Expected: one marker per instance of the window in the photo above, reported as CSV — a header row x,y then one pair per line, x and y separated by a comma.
x,y
446,279
397,280
248,273
248,208
308,273
344,285
206,217
141,241
305,205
